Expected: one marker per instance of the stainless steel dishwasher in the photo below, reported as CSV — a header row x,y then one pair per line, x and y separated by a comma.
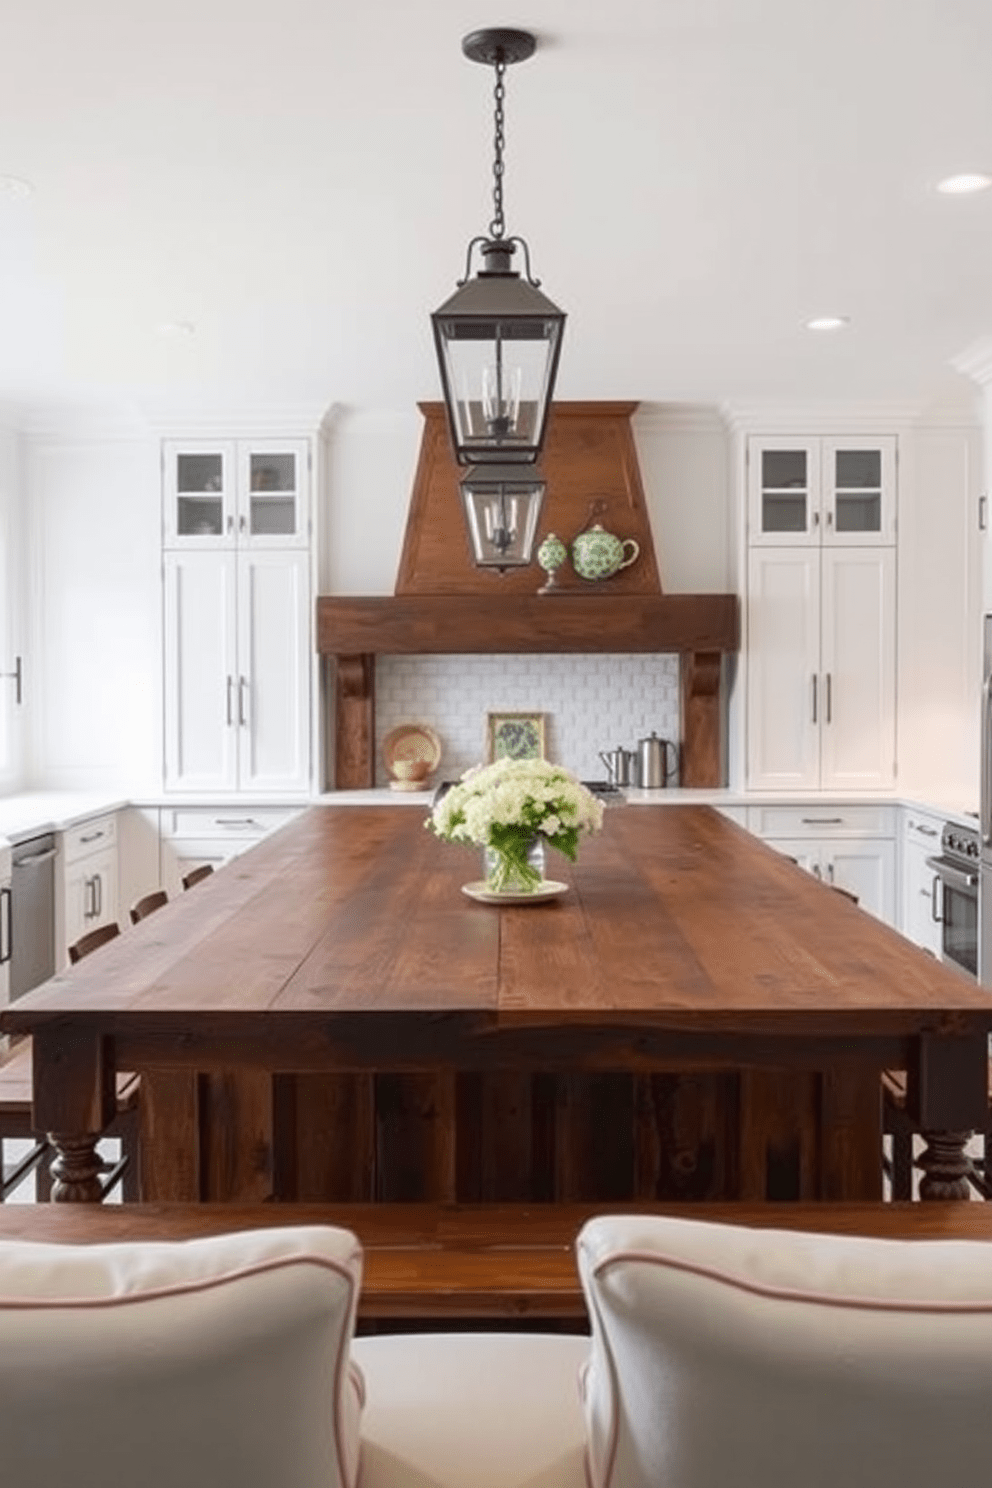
x,y
32,914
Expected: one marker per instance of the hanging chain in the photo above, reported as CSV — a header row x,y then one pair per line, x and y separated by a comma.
x,y
496,227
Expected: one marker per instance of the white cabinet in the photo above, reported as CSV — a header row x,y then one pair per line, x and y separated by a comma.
x,y
848,847
236,493
89,879
821,668
813,491
237,671
194,835
920,907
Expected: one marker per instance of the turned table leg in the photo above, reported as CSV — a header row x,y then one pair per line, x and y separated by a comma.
x,y
74,1100
947,1096
75,1169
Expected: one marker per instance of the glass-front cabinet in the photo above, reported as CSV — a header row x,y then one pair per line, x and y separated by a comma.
x,y
834,491
236,493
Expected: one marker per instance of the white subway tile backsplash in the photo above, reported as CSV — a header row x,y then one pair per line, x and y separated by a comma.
x,y
589,702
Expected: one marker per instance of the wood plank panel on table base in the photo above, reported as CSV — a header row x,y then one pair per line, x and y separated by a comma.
x,y
342,947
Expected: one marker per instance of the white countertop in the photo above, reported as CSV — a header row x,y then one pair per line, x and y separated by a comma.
x,y
33,812
30,813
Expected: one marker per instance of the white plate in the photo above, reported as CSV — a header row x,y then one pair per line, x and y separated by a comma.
x,y
549,889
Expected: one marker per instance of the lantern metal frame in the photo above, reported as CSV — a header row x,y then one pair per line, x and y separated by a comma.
x,y
502,505
500,308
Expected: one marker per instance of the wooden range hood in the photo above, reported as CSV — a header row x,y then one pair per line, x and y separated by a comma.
x,y
443,603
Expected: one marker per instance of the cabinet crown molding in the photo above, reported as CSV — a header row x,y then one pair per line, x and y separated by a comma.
x,y
821,418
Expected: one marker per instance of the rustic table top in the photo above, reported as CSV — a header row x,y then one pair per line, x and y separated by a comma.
x,y
675,918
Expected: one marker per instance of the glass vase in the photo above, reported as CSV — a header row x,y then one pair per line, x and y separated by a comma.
x,y
512,872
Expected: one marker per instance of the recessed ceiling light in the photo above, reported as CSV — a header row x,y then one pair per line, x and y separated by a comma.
x,y
15,187
827,323
174,330
964,184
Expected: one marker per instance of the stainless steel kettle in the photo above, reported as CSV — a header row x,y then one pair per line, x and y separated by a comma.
x,y
621,766
653,769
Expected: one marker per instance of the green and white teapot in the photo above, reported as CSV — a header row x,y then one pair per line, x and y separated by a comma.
x,y
597,554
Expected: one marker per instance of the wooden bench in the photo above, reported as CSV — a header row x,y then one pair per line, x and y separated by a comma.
x,y
499,1261
16,1122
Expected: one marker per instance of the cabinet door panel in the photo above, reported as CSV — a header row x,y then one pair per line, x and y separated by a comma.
x,y
866,869
273,480
858,668
859,491
783,492
783,649
198,492
273,679
200,671
921,907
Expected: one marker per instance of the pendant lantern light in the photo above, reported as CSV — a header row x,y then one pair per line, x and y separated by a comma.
x,y
498,340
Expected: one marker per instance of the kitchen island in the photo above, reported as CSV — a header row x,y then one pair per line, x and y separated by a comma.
x,y
427,1046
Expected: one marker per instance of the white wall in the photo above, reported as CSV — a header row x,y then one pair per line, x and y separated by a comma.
x,y
95,613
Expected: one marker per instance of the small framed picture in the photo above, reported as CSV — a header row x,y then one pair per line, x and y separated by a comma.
x,y
515,736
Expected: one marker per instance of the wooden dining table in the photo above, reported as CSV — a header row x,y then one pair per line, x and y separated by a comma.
x,y
682,949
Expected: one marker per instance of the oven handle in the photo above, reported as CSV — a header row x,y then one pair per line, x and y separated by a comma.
x,y
956,877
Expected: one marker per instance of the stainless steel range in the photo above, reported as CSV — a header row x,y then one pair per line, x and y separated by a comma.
x,y
956,895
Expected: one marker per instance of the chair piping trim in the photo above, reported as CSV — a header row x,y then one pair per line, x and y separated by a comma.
x,y
789,1294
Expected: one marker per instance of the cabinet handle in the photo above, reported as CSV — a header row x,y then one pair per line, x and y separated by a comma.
x,y
97,895
89,898
91,837
242,708
235,821
230,706
822,821
816,519
6,925
829,698
242,525
935,913
15,677
983,512
817,871
923,830
814,697
230,524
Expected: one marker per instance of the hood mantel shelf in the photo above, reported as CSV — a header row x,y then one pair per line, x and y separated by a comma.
x,y
443,604
471,624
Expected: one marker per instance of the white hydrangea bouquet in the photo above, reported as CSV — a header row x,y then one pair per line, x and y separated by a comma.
x,y
507,806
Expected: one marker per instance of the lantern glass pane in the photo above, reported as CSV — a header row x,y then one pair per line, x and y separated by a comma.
x,y
502,520
498,378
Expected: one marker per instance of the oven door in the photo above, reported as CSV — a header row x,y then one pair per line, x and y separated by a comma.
x,y
959,914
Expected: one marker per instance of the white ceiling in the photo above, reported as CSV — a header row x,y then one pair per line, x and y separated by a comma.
x,y
299,179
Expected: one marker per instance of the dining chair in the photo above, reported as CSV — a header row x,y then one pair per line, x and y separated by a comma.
x,y
92,941
220,1361
723,1354
148,904
197,875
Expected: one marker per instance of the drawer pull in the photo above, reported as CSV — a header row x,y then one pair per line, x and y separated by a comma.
x,y
235,821
823,821
92,836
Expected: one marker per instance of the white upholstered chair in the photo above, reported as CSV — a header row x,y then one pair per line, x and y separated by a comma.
x,y
230,1363
727,1357
215,1363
